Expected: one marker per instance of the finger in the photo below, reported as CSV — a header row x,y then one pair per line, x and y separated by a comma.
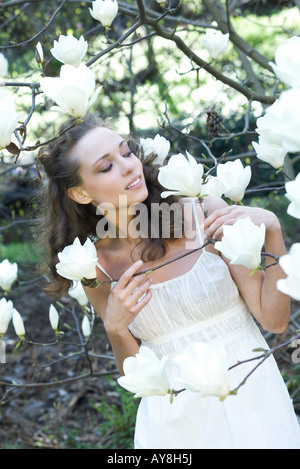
x,y
142,303
214,227
134,283
215,215
218,234
127,275
138,293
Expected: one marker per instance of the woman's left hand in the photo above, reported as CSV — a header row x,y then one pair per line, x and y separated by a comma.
x,y
213,224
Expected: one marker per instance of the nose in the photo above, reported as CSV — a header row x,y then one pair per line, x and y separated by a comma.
x,y
127,166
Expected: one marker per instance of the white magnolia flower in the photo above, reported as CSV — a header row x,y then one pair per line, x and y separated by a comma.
x,y
104,11
235,178
213,186
53,317
183,176
86,326
242,243
215,42
39,53
8,274
69,50
78,261
290,263
266,123
287,62
145,374
158,145
269,152
293,194
6,312
77,292
74,90
204,369
3,65
18,323
281,122
8,119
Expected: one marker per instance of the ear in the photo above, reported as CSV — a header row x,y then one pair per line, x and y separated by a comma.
x,y
79,195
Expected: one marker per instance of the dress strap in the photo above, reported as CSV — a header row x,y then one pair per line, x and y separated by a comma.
x,y
103,270
196,221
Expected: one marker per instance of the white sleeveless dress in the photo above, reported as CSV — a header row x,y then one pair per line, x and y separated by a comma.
x,y
204,305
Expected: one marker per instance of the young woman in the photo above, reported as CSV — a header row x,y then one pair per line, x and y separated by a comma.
x,y
199,297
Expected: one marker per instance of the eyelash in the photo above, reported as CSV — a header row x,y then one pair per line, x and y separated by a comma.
x,y
129,153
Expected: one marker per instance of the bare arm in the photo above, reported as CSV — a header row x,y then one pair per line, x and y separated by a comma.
x,y
119,307
268,305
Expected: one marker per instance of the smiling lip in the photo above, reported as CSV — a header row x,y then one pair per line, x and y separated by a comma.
x,y
135,183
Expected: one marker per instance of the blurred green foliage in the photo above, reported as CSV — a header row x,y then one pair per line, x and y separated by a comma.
x,y
117,429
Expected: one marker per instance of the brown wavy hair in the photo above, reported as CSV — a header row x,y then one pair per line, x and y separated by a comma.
x,y
63,219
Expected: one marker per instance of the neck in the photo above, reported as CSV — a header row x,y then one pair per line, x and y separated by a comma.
x,y
121,227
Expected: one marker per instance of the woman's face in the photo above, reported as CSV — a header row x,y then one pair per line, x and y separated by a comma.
x,y
108,170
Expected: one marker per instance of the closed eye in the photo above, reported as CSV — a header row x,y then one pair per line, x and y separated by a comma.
x,y
107,169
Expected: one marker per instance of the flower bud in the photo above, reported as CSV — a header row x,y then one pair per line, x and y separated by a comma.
x,y
53,317
215,42
18,324
69,50
39,54
86,327
104,11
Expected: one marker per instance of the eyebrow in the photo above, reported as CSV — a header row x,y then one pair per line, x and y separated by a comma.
x,y
108,154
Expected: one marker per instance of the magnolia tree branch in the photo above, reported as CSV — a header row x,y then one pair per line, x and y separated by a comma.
x,y
181,45
262,357
149,24
82,345
39,34
219,15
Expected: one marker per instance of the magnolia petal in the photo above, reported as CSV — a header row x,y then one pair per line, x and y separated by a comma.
x,y
94,97
69,271
73,99
285,264
59,109
285,77
49,86
247,261
166,194
294,209
289,286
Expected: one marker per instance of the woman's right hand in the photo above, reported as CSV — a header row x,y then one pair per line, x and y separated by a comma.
x,y
126,299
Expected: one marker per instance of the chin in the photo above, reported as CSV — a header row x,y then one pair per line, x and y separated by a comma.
x,y
140,197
